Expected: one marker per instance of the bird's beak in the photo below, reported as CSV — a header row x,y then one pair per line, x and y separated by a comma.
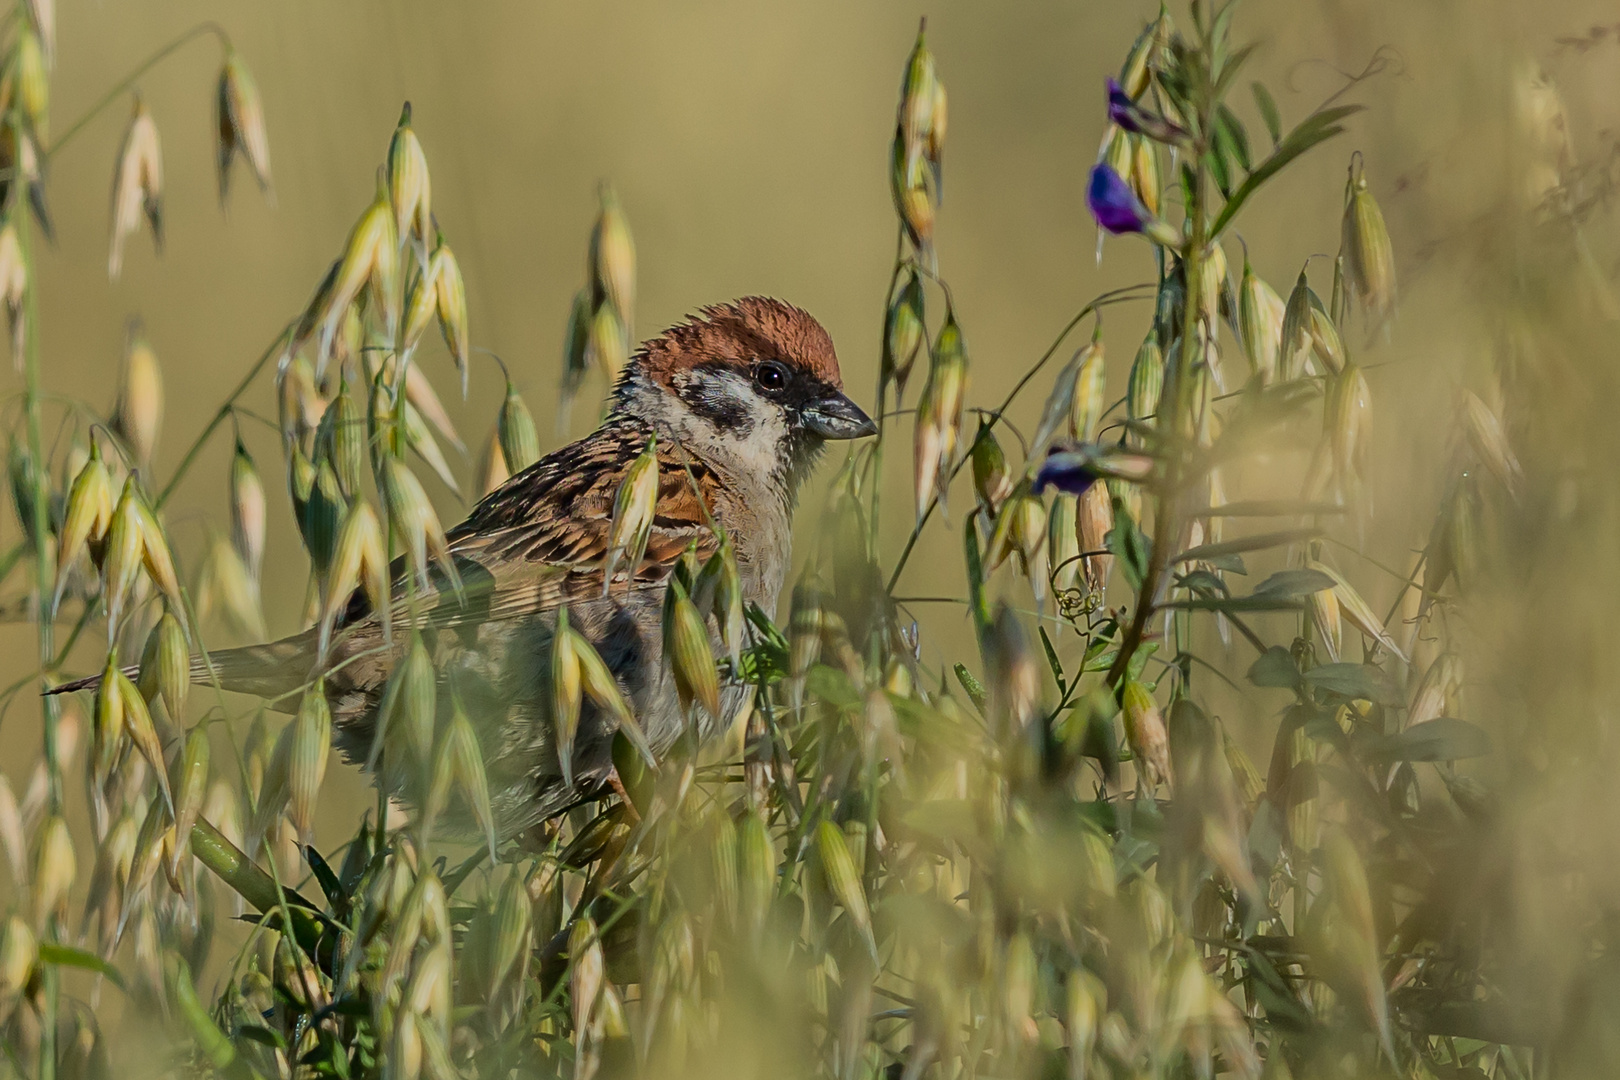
x,y
837,417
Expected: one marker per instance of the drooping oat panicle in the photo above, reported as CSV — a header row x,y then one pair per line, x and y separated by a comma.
x,y
1147,735
138,416
756,873
1296,327
905,333
190,784
308,751
509,946
992,479
585,972
633,507
917,153
158,557
1439,685
13,286
939,416
459,749
248,510
1356,610
55,868
341,438
1325,617
138,725
424,399
420,439
1090,393
1059,405
405,716
1260,323
1347,415
239,124
415,523
121,558
1326,344
1357,939
137,185
165,669
688,653
322,517
1369,258
450,292
359,560
1491,444
1095,520
299,403
600,685
370,257
30,80
611,259
106,732
1145,178
567,695
718,591
1146,52
1147,379
607,345
19,956
844,880
410,188
86,516
421,306
520,441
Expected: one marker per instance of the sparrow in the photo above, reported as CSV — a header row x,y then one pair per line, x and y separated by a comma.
x,y
742,399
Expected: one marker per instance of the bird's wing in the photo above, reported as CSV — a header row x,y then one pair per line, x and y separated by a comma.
x,y
541,539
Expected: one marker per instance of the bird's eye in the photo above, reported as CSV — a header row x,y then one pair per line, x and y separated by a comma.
x,y
771,377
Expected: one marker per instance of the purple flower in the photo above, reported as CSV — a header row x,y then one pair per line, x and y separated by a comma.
x,y
1070,471
1130,116
1121,109
1113,203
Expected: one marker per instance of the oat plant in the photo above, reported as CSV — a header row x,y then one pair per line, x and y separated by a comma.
x,y
1046,858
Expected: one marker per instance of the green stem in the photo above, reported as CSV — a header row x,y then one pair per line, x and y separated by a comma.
x,y
1166,520
124,85
1000,413
219,417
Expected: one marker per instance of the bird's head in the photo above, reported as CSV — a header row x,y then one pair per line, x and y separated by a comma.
x,y
752,386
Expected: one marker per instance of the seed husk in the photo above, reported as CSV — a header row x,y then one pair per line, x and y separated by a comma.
x,y
1260,320
1090,393
687,651
239,123
137,186
992,479
806,617
510,946
406,713
190,785
492,471
519,441
607,345
165,669
634,505
844,880
416,523
87,515
576,356
566,695
1147,379
611,260
55,867
905,333
450,293
410,188
1491,443
1146,733
1095,519
248,510
586,971
138,416
1370,260
939,416
308,752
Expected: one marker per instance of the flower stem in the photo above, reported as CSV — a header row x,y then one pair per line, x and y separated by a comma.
x,y
123,86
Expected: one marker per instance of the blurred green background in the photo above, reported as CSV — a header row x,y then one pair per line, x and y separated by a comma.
x,y
748,143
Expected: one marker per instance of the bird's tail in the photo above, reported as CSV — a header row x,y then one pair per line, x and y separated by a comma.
x,y
263,670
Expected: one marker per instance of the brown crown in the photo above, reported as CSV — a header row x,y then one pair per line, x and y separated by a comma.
x,y
741,332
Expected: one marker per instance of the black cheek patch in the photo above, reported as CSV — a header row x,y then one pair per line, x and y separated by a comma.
x,y
709,401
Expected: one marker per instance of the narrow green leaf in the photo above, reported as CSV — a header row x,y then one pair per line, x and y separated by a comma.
x,y
1258,542
1268,110
974,688
1362,681
1275,667
1293,583
1052,660
1444,738
1314,129
59,955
